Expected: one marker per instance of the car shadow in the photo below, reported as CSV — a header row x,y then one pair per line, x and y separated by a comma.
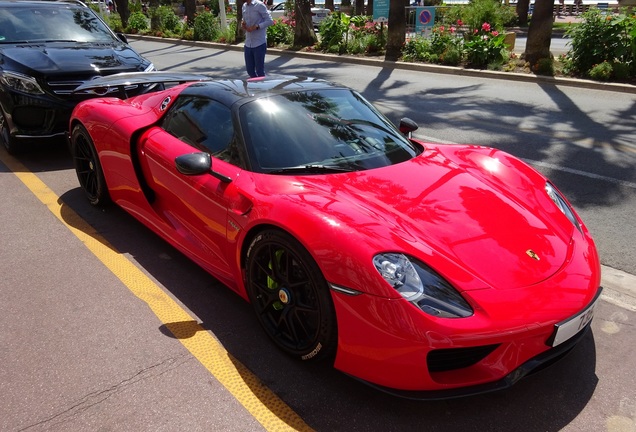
x,y
326,399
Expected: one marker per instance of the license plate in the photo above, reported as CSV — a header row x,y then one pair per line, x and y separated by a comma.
x,y
570,327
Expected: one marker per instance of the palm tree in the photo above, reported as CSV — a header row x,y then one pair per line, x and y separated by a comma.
x,y
304,32
539,32
397,29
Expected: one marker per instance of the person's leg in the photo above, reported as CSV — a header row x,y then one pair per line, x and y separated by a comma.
x,y
249,61
259,59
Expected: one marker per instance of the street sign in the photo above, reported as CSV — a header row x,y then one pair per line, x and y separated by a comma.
x,y
425,19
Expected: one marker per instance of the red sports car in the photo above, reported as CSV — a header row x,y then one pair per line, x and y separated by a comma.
x,y
425,270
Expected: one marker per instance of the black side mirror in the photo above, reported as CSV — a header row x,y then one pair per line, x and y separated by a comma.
x,y
407,126
194,163
122,37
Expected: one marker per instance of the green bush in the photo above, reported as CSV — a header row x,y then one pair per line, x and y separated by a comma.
x,y
478,12
365,36
280,33
137,23
602,71
334,32
114,22
599,39
544,66
416,49
168,20
485,48
229,35
206,27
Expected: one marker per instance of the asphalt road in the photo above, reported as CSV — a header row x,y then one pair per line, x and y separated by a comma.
x,y
91,301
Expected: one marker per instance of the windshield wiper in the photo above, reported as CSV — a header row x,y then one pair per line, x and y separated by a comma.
x,y
312,169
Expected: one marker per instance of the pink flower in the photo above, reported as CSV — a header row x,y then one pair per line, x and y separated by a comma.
x,y
485,27
453,29
495,33
441,28
460,22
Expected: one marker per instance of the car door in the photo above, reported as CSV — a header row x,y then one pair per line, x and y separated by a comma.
x,y
194,206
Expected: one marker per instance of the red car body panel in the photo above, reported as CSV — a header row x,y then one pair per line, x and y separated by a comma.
x,y
470,213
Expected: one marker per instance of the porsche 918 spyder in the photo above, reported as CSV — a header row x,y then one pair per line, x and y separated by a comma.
x,y
425,270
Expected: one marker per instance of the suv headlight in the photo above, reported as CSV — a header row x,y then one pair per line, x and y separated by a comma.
x,y
21,83
562,204
422,286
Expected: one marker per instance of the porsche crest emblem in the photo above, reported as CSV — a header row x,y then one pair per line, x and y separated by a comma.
x,y
532,254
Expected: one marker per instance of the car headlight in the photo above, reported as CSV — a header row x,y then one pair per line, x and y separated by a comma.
x,y
21,83
422,286
562,204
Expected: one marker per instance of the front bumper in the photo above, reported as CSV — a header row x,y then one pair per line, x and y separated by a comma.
x,y
33,118
390,344
533,365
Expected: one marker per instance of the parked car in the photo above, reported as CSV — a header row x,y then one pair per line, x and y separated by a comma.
x,y
317,14
47,49
426,270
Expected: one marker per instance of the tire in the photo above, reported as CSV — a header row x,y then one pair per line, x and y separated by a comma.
x,y
290,296
87,167
5,136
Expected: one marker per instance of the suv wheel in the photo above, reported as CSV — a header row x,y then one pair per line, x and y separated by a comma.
x,y
5,136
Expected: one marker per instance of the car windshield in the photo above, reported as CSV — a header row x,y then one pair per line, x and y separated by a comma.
x,y
320,131
50,24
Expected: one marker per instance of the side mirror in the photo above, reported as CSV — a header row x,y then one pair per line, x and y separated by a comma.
x,y
122,37
407,126
194,163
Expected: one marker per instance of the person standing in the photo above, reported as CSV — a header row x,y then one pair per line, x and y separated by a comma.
x,y
256,19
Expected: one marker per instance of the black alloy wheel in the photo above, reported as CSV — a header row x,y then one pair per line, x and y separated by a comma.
x,y
87,167
290,296
5,136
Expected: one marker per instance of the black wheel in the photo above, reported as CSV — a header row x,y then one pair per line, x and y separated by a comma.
x,y
290,296
8,142
87,166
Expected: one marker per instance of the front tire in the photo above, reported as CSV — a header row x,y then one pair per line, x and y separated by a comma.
x,y
5,136
87,167
290,296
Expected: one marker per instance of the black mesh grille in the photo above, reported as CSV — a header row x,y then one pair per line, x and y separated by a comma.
x,y
456,358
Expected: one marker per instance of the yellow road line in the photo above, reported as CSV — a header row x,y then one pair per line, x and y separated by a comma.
x,y
267,408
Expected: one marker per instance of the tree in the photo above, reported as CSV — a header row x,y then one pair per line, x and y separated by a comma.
x,y
522,9
329,5
154,17
190,10
539,32
397,29
304,32
124,12
359,8
240,36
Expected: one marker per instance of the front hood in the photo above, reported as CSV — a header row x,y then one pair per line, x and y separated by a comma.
x,y
64,58
440,207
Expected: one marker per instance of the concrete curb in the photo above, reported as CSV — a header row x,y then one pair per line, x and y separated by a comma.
x,y
619,288
421,67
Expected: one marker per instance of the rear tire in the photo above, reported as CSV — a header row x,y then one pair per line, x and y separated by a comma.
x,y
87,167
290,296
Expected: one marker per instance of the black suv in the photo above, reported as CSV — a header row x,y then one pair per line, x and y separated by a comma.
x,y
47,49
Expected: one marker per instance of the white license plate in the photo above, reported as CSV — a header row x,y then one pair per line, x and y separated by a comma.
x,y
568,328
